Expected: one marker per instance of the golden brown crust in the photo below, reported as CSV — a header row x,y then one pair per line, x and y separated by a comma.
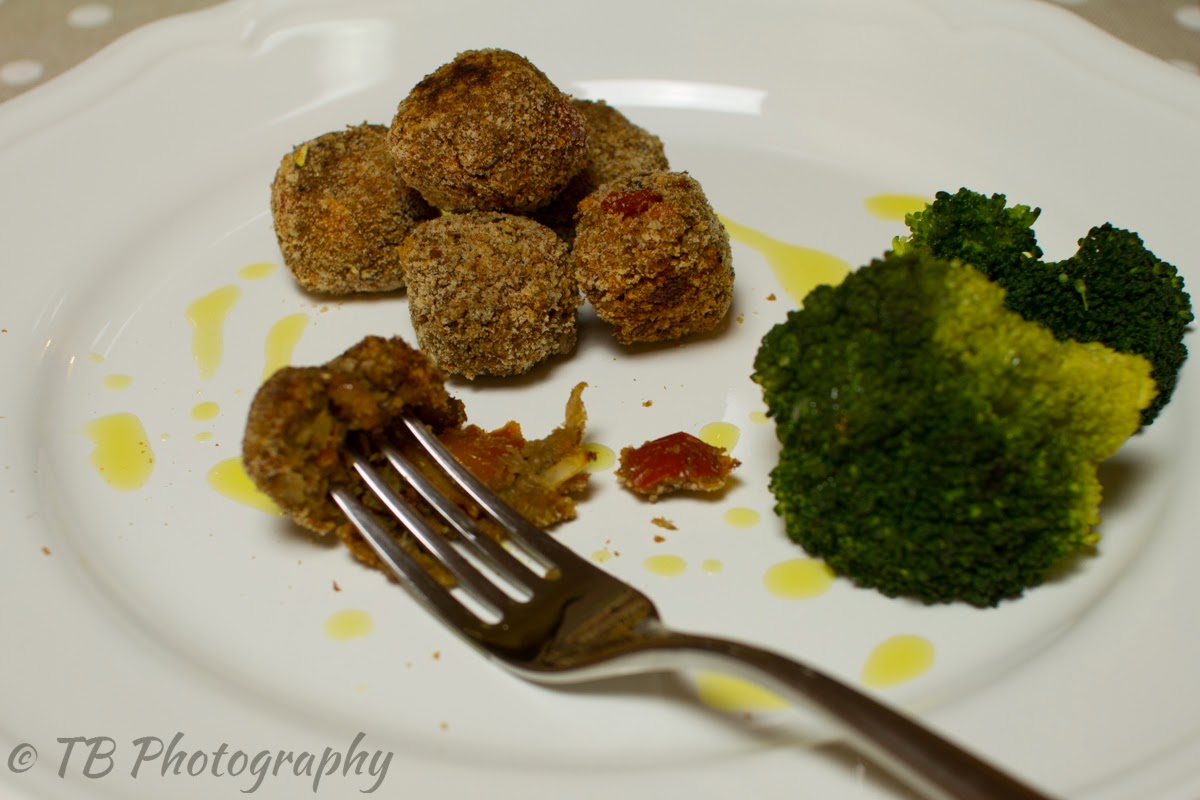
x,y
490,293
302,421
488,131
294,445
616,149
340,209
652,257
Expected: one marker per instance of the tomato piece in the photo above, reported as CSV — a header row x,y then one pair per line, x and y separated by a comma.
x,y
486,454
633,203
678,461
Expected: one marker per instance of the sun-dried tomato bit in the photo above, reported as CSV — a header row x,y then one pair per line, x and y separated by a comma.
x,y
486,454
540,478
676,462
632,203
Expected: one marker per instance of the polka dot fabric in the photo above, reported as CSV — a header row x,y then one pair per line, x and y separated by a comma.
x,y
1169,29
42,38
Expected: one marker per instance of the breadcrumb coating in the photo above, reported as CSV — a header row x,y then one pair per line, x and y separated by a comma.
x,y
488,132
300,419
304,420
616,149
340,209
652,257
490,293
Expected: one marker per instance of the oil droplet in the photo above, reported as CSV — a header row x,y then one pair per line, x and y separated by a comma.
x,y
281,341
724,435
604,459
742,517
95,358
352,623
229,478
726,693
121,452
600,556
667,566
799,578
896,660
895,206
207,316
205,411
203,436
256,271
759,417
798,269
711,566
116,381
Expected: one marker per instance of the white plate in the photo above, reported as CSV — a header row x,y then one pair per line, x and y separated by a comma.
x,y
138,184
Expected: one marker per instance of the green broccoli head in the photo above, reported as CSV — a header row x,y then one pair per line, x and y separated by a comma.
x,y
1114,290
934,443
980,230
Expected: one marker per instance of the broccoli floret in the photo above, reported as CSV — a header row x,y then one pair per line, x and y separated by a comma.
x,y
1114,290
980,230
934,444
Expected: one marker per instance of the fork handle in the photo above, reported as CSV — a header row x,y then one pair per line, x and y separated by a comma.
x,y
929,763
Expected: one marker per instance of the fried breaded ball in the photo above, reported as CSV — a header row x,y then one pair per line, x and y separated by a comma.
x,y
490,293
616,149
652,257
488,132
340,209
304,421
294,445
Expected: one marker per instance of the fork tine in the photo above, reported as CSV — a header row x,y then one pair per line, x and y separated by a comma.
x,y
477,585
404,566
549,552
494,555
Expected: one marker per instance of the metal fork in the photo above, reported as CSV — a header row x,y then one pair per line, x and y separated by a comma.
x,y
553,617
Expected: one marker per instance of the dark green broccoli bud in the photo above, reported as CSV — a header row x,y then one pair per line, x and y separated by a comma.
x,y
980,230
935,444
1113,291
